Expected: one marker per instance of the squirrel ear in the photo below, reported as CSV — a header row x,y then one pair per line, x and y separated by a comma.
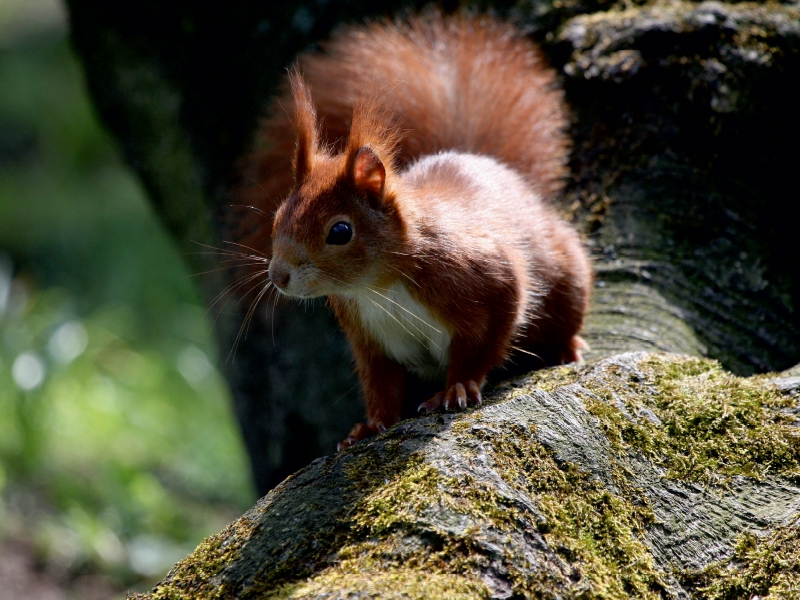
x,y
369,174
305,122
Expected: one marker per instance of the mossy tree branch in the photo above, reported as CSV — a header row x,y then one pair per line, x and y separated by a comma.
x,y
641,476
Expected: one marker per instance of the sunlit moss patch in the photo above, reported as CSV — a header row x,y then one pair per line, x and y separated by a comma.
x,y
598,534
197,575
429,514
713,425
351,580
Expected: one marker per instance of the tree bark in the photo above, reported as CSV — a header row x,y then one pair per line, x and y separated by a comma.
x,y
684,183
642,476
683,114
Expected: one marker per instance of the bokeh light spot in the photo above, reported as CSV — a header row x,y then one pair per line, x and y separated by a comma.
x,y
28,371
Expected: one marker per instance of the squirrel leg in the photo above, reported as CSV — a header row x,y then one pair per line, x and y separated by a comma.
x,y
383,382
466,375
360,431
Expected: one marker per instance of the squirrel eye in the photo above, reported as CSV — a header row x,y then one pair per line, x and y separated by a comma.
x,y
340,234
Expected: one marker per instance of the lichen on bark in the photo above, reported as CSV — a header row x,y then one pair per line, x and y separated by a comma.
x,y
766,566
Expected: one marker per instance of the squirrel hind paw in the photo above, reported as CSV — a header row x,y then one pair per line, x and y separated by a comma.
x,y
432,404
346,443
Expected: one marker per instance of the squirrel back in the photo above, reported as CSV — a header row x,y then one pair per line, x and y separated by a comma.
x,y
464,83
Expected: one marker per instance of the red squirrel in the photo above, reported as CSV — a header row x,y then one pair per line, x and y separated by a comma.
x,y
415,161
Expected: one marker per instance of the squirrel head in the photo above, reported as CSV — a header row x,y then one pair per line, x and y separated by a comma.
x,y
336,230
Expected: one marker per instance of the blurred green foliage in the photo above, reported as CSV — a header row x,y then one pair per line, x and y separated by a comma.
x,y
118,450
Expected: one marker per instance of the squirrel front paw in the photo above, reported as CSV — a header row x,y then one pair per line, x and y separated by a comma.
x,y
573,352
456,396
360,431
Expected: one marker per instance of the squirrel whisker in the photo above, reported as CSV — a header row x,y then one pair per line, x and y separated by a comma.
x,y
247,247
233,287
403,308
245,326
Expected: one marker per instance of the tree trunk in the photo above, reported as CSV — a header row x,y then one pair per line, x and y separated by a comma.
x,y
636,475
685,153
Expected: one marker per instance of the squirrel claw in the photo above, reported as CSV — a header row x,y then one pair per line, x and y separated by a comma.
x,y
448,397
360,431
573,354
461,396
431,405
475,393
346,443
457,396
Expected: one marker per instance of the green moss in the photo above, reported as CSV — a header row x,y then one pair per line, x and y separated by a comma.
x,y
404,529
544,379
374,556
399,501
352,578
393,509
714,425
366,550
764,567
551,379
192,577
598,533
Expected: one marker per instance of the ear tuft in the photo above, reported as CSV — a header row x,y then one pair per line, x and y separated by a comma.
x,y
305,122
369,174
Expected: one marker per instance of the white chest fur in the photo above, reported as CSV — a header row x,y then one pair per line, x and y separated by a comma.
x,y
406,330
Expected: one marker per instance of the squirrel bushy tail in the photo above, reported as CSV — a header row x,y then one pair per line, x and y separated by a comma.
x,y
465,83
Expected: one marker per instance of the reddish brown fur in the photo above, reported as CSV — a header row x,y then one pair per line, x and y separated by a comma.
x,y
465,238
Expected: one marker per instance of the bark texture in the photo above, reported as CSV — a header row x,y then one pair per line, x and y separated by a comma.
x,y
683,119
642,476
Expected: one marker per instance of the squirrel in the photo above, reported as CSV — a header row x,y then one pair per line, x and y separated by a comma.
x,y
411,165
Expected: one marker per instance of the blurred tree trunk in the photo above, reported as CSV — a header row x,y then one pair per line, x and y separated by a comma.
x,y
685,183
181,85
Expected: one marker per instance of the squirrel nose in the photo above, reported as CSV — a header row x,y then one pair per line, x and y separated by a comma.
x,y
279,275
